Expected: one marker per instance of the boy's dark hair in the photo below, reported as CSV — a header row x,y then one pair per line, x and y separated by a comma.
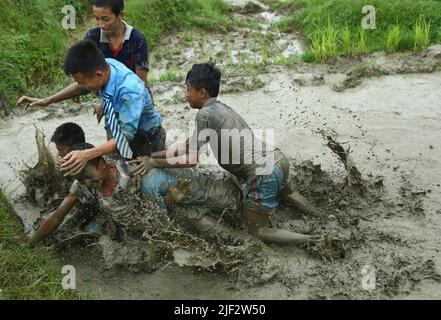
x,y
68,134
117,6
205,76
85,57
85,146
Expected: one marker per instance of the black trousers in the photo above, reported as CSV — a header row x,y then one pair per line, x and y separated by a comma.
x,y
144,144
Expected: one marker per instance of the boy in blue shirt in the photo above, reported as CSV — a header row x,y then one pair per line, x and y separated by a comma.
x,y
134,124
118,40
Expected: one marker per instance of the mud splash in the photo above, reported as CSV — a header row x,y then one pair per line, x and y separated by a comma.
x,y
149,236
361,211
389,221
44,183
358,243
244,261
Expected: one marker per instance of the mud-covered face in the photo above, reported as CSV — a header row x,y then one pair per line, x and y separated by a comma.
x,y
92,177
195,98
106,20
92,82
62,149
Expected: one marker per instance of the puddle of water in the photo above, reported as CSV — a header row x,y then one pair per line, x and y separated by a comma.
x,y
293,47
271,17
239,46
18,137
189,54
242,2
374,103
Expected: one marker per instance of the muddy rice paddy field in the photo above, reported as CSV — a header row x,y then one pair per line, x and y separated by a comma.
x,y
383,110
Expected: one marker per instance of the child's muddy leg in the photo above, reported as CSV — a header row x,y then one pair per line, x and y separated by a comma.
x,y
258,226
292,198
282,237
207,224
211,228
299,202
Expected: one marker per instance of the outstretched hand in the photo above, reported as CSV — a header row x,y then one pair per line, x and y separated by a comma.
x,y
179,191
75,162
144,164
31,102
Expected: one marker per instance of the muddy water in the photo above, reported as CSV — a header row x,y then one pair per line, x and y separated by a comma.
x,y
18,137
392,125
241,45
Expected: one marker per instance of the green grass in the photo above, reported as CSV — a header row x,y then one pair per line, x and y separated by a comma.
x,y
316,47
422,34
26,273
33,42
400,25
251,23
393,39
171,75
346,39
324,43
308,57
286,61
159,17
361,43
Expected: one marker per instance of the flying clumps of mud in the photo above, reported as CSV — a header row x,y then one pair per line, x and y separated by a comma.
x,y
44,183
153,238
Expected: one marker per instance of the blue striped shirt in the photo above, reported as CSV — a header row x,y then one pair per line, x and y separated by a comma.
x,y
131,101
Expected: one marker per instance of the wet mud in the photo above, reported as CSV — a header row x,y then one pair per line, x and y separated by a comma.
x,y
45,185
344,231
363,138
4,112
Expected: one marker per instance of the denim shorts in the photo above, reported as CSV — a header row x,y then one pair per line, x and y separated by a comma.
x,y
262,194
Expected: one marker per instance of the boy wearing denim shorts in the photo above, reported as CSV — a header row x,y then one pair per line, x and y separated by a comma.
x,y
264,173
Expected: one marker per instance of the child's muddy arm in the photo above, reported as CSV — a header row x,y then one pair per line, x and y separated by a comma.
x,y
168,200
54,220
189,160
174,149
144,164
75,161
176,156
72,91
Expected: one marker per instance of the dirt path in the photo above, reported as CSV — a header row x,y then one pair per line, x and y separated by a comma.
x,y
392,125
